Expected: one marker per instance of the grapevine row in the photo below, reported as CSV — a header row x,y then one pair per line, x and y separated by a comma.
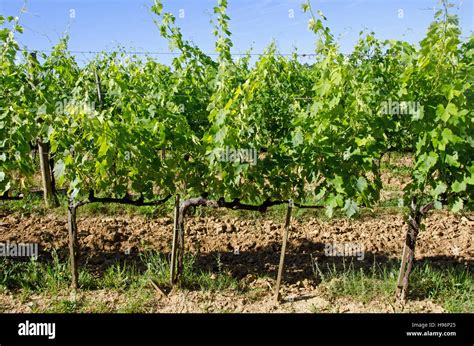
x,y
122,126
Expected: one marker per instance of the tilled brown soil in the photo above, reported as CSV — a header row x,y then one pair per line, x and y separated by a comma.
x,y
249,249
446,236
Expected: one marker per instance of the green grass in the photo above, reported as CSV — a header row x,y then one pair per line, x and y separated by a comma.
x,y
451,288
397,170
192,277
66,306
120,277
133,279
149,212
34,275
31,204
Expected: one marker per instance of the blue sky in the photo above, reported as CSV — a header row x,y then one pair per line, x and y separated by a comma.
x,y
95,25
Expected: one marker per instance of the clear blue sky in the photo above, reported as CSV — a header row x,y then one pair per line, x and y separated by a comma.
x,y
105,24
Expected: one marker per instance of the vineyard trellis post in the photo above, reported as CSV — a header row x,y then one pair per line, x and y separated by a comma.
x,y
175,241
48,191
73,243
283,250
180,240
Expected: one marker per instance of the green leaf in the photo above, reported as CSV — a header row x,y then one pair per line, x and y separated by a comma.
x,y
329,211
429,161
321,15
452,160
445,113
350,207
361,184
323,87
458,186
104,147
220,135
333,201
157,7
448,135
337,182
59,169
297,139
457,206
68,160
440,188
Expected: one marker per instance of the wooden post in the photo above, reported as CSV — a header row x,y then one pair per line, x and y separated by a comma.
x,y
175,241
401,274
48,192
97,83
283,250
180,240
73,244
410,262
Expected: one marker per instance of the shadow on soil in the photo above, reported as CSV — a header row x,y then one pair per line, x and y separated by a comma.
x,y
301,262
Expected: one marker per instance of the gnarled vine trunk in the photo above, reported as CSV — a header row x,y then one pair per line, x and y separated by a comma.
x,y
414,221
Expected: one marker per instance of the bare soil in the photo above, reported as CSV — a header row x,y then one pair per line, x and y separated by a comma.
x,y
446,236
213,302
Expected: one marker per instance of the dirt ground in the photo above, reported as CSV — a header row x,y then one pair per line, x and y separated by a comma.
x,y
446,236
249,249
220,302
